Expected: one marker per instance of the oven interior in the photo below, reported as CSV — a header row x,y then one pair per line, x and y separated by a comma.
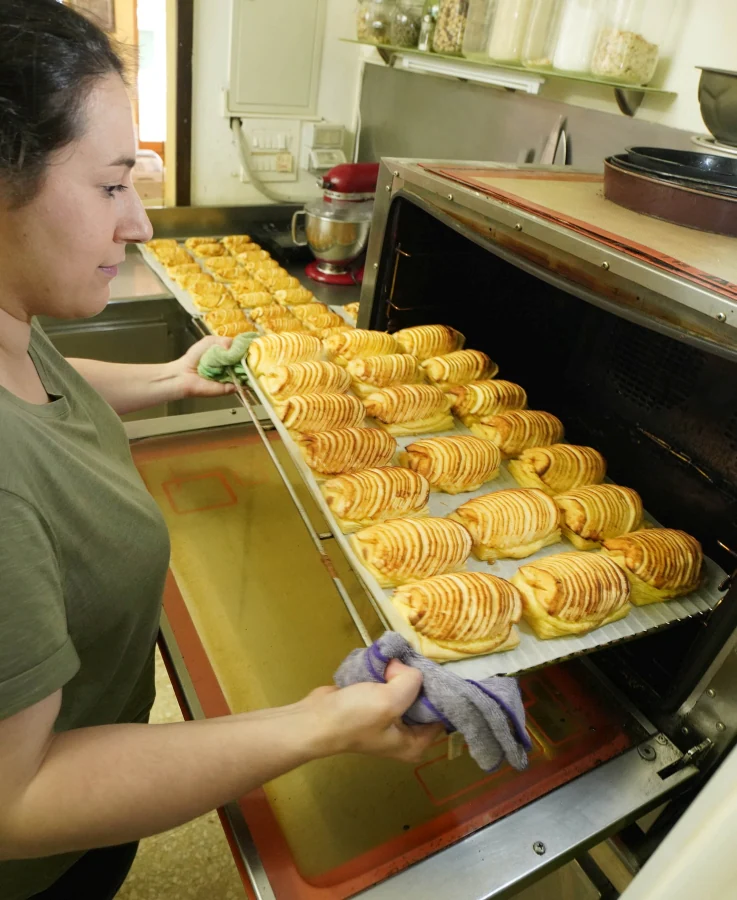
x,y
662,411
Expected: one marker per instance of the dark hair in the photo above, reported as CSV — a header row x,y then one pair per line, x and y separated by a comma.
x,y
50,58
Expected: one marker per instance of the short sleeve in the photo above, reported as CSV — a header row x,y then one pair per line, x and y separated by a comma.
x,y
37,656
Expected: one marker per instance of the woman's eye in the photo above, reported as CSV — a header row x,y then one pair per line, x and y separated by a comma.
x,y
112,189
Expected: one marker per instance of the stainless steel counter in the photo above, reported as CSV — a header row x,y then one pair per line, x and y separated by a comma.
x,y
136,281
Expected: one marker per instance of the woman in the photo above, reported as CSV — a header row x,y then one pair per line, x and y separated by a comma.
x,y
83,548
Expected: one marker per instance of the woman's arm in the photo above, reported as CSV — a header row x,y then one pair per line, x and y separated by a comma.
x,y
95,787
130,387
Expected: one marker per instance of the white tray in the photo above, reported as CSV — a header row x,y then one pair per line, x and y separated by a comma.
x,y
531,652
182,296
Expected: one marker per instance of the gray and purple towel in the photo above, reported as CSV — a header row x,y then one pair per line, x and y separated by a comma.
x,y
489,714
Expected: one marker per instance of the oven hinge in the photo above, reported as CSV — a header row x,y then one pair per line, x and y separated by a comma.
x,y
691,757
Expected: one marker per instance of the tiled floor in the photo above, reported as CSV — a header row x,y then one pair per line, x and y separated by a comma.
x,y
193,862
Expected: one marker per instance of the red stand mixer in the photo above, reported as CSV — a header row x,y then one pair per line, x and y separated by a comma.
x,y
337,226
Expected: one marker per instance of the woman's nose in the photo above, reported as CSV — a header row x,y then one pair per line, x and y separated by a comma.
x,y
134,226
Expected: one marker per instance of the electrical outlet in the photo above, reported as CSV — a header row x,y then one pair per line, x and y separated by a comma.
x,y
274,145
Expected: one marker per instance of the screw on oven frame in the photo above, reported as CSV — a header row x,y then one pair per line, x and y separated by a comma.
x,y
721,317
720,726
450,196
388,189
605,266
711,693
539,848
518,226
661,738
647,752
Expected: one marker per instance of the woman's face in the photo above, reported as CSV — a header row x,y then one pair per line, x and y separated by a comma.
x,y
59,253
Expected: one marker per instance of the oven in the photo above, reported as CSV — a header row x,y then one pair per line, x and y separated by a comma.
x,y
637,361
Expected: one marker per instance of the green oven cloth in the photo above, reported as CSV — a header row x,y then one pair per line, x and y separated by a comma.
x,y
215,362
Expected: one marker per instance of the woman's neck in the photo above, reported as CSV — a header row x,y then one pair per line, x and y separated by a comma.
x,y
15,337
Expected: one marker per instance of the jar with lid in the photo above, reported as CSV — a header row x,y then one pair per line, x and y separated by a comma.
x,y
542,32
450,26
373,20
508,30
630,40
578,30
406,22
427,26
478,29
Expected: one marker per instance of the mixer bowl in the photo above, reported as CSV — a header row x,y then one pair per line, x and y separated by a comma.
x,y
336,236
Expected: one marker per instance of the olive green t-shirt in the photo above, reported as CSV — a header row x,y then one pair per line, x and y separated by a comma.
x,y
83,557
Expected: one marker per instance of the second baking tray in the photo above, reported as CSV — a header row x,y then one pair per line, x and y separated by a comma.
x,y
531,652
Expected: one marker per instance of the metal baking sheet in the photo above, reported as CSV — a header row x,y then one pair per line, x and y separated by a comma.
x,y
532,652
184,298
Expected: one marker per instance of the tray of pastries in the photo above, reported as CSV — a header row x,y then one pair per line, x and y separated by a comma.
x,y
483,537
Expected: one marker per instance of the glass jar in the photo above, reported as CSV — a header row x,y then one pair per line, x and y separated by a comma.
x,y
542,31
450,26
478,28
406,23
508,30
629,42
373,20
578,30
427,28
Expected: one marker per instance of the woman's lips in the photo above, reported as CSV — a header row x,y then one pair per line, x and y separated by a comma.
x,y
109,271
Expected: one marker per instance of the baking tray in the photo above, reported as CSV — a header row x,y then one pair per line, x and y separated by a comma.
x,y
181,295
531,653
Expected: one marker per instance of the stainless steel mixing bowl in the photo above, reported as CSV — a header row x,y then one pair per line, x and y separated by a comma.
x,y
335,241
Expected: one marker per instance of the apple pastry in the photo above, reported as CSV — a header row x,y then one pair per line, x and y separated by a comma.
x,y
212,296
320,412
510,524
231,329
558,469
281,280
324,333
232,241
252,299
354,343
228,276
193,243
458,367
405,550
178,272
426,341
294,296
272,350
410,409
281,324
346,450
326,320
590,515
374,373
376,495
225,317
270,311
161,243
454,464
253,256
485,398
244,284
518,430
205,251
461,614
172,256
312,310
306,378
351,310
660,563
195,282
572,593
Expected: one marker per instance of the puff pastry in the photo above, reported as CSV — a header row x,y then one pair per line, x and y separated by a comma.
x,y
224,317
318,324
590,515
193,243
458,367
410,409
172,256
281,280
228,276
510,524
293,296
461,614
426,341
270,311
351,310
205,251
281,324
405,550
518,430
346,450
206,300
247,285
178,272
376,495
236,240
354,343
557,469
272,350
311,310
486,398
320,412
196,281
660,563
453,464
270,272
373,373
231,329
305,378
160,244
572,593
251,299
324,333
257,255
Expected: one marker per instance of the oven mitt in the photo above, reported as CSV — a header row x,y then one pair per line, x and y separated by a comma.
x,y
216,360
489,714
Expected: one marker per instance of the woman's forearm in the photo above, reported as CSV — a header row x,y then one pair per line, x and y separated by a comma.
x,y
132,387
118,783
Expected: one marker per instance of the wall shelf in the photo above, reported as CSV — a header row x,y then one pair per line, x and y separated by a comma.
x,y
628,96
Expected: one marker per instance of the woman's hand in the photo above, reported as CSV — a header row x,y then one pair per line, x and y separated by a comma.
x,y
184,370
366,718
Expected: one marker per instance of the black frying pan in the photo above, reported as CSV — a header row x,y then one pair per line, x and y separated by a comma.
x,y
623,161
708,168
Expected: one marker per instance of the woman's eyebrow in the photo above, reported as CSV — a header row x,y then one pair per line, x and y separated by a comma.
x,y
126,161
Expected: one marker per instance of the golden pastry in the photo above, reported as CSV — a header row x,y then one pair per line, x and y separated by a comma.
x,y
225,317
237,242
519,430
281,280
324,333
455,464
410,409
326,320
660,563
178,272
228,276
485,398
252,299
346,450
405,550
205,299
258,256
270,311
194,242
458,367
205,251
351,310
590,515
246,285
219,263
557,469
359,342
281,325
510,524
293,296
572,593
320,412
231,329
376,495
196,281
160,244
272,350
269,271
305,378
426,341
373,373
461,614
172,256
312,310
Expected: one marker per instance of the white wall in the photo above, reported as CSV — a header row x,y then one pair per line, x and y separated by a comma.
x,y
215,163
